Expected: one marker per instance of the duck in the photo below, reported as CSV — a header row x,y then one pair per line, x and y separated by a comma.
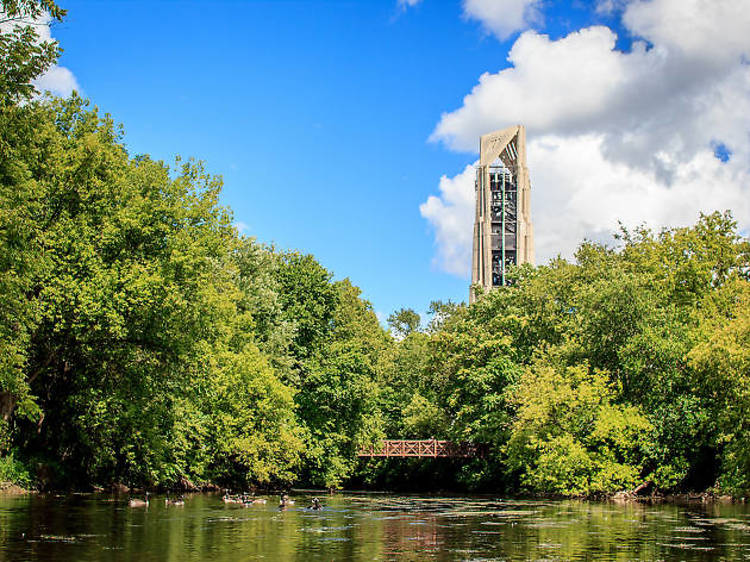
x,y
316,505
285,501
137,502
178,501
249,500
230,499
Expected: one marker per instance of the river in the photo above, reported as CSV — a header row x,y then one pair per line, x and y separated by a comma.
x,y
368,527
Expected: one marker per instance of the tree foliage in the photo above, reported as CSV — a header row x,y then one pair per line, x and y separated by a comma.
x,y
569,435
403,322
143,340
23,56
621,367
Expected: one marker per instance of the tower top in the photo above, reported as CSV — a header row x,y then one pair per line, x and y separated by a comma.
x,y
507,144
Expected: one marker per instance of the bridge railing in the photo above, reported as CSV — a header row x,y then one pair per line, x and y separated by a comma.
x,y
422,448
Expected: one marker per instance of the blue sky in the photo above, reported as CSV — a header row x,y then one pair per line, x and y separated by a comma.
x,y
318,116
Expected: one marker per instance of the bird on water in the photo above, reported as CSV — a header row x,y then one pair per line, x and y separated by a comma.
x,y
138,502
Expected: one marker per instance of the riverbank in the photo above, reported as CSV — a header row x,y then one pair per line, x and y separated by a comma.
x,y
117,490
675,499
10,488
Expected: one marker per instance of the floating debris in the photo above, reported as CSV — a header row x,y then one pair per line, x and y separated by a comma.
x,y
688,530
57,538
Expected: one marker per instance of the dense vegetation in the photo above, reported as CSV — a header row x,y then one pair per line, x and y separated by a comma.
x,y
143,340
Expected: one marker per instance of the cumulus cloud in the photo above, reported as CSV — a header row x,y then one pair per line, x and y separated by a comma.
x,y
449,214
578,193
58,80
621,135
503,17
715,30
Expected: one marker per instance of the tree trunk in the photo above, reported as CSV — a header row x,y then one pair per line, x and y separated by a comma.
x,y
7,405
643,488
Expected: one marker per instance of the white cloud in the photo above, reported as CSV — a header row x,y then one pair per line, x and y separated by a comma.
x,y
242,227
58,79
616,135
503,17
403,4
548,87
609,7
449,214
577,192
701,29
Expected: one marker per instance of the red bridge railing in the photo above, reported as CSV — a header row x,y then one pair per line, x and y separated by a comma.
x,y
423,448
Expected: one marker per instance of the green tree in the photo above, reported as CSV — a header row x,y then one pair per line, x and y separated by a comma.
x,y
633,313
23,56
403,322
721,364
401,378
569,436
338,399
252,429
308,300
136,328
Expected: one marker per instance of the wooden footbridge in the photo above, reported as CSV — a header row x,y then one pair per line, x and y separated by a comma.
x,y
423,448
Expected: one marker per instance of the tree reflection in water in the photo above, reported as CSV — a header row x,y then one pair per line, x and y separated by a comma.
x,y
368,527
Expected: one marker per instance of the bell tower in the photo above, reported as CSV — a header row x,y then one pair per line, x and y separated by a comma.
x,y
503,233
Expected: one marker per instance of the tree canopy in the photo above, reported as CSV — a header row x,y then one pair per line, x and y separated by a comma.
x,y
143,340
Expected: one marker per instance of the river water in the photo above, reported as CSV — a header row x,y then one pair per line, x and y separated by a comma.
x,y
368,527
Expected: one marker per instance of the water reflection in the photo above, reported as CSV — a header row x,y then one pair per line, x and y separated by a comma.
x,y
367,527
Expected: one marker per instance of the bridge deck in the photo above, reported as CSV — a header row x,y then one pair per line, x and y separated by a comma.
x,y
422,448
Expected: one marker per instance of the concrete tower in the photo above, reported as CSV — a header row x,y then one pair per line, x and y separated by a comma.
x,y
503,234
